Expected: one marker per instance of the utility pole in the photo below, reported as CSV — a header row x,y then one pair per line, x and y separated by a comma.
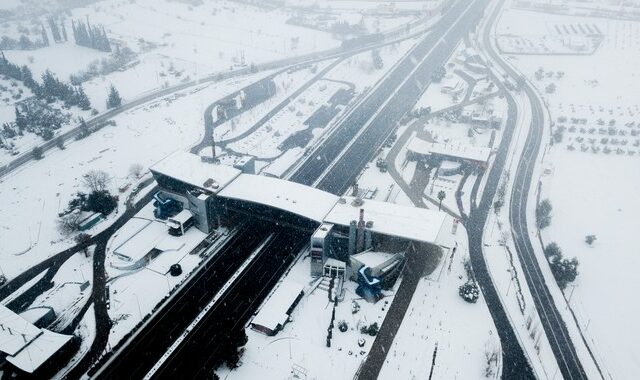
x,y
213,148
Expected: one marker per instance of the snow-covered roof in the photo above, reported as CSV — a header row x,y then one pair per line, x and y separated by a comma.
x,y
39,351
335,263
190,168
26,345
274,310
373,259
302,200
182,217
15,331
279,166
466,152
391,219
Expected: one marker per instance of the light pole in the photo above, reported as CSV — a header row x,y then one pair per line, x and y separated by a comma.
x,y
138,302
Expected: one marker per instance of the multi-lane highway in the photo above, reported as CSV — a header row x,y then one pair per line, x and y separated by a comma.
x,y
552,322
154,338
372,121
368,126
196,358
353,143
96,122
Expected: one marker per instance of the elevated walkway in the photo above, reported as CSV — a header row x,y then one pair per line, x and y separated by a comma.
x,y
407,222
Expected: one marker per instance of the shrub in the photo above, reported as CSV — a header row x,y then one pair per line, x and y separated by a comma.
x,y
589,239
101,201
38,153
469,292
543,214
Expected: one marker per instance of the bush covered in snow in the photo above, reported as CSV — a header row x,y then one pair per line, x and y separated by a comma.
x,y
543,214
371,330
469,292
564,270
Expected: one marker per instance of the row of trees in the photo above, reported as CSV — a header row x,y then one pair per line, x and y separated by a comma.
x,y
32,116
22,43
51,89
94,37
59,33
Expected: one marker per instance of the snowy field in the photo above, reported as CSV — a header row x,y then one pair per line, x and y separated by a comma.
x,y
28,227
173,42
439,320
607,283
594,100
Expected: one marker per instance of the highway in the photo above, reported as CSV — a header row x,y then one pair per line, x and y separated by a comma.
x,y
367,127
374,119
552,322
153,339
197,358
284,64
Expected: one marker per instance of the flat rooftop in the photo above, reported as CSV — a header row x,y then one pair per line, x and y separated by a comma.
x,y
274,310
39,351
15,332
413,223
302,200
27,346
463,151
190,168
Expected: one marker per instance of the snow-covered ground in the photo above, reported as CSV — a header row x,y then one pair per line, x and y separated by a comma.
x,y
28,228
439,319
359,70
598,195
135,291
449,92
594,90
303,341
174,42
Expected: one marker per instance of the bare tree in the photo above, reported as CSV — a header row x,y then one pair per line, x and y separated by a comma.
x,y
96,180
84,239
68,224
441,196
136,170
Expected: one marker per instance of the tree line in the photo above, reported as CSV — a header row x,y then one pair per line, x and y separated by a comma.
x,y
50,90
34,115
94,37
84,34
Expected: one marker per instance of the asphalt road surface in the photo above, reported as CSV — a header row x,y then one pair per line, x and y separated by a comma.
x,y
196,357
552,322
156,337
411,76
380,113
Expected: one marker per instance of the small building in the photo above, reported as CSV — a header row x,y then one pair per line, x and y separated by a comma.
x,y
334,269
320,241
246,164
381,263
180,223
449,151
26,346
276,310
86,220
186,178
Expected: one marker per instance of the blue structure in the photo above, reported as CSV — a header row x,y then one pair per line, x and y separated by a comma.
x,y
369,287
165,206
